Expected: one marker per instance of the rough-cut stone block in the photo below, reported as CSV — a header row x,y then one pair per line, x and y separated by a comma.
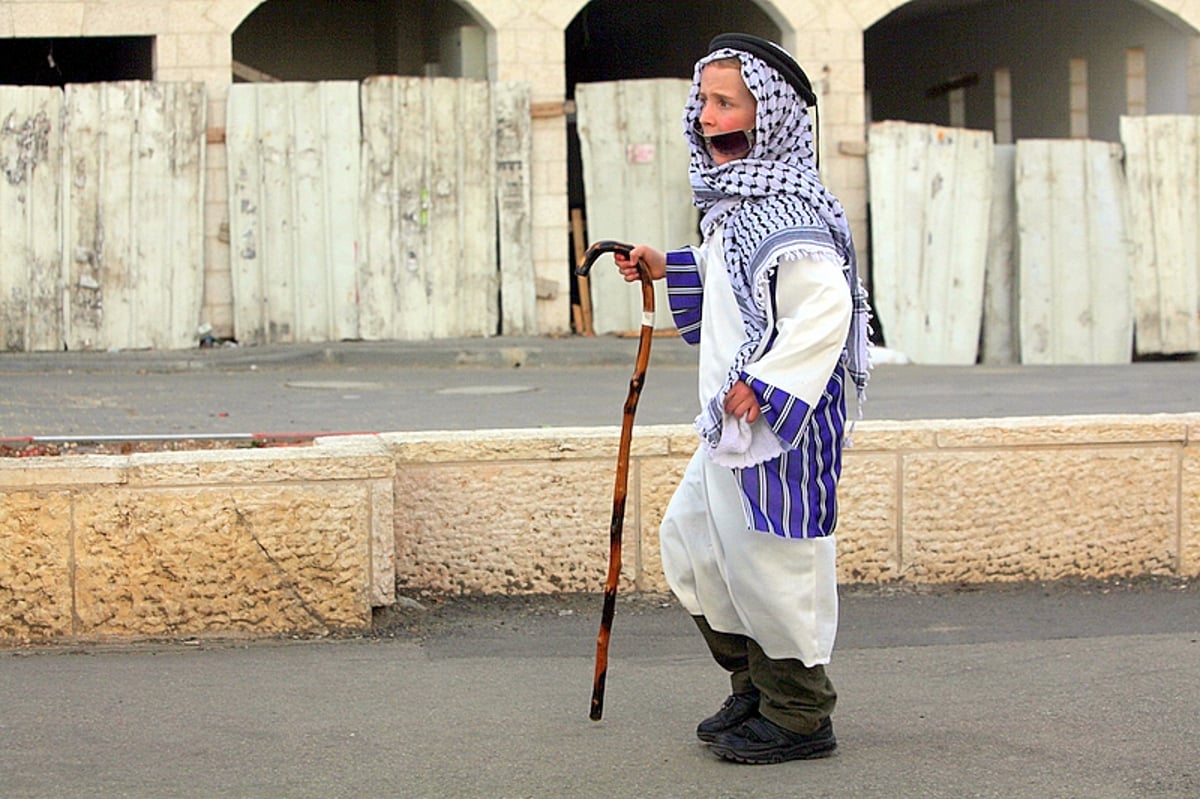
x,y
226,15
383,543
263,559
682,440
504,528
976,516
195,16
305,539
200,49
1189,534
35,565
1062,431
53,472
128,18
560,444
361,457
868,530
872,436
47,19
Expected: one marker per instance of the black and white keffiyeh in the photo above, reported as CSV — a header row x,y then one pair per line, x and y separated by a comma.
x,y
773,206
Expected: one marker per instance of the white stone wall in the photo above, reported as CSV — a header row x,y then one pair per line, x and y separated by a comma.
x,y
308,539
923,502
223,542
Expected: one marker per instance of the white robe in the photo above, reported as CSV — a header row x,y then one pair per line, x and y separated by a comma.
x,y
781,592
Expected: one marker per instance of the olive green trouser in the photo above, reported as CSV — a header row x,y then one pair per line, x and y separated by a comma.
x,y
792,695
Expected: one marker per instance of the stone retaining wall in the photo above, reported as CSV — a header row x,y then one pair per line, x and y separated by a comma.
x,y
308,540
239,541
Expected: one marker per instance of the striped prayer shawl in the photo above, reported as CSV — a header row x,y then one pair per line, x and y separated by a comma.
x,y
771,502
813,434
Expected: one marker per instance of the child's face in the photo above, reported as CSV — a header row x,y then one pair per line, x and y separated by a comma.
x,y
726,104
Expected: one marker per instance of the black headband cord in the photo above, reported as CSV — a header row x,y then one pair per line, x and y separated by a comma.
x,y
774,55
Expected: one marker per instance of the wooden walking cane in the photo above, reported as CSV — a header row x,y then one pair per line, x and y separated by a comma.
x,y
622,480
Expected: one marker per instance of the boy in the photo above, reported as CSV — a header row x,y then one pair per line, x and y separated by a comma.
x,y
772,299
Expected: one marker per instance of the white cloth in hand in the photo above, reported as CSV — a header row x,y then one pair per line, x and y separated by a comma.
x,y
744,444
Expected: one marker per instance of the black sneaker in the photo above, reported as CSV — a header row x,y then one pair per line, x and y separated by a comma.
x,y
762,741
738,708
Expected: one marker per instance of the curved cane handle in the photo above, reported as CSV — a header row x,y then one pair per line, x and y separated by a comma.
x,y
598,249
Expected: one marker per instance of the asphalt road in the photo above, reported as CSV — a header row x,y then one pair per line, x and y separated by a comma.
x,y
1055,692
499,383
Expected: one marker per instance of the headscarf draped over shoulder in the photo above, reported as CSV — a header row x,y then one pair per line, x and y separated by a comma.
x,y
773,206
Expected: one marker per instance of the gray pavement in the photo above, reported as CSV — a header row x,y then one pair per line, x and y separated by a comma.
x,y
1060,690
1079,692
497,383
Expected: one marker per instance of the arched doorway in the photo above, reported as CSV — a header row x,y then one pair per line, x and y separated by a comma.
x,y
611,41
607,40
962,63
1049,85
307,40
363,196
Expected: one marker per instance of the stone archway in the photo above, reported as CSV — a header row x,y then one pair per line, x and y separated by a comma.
x,y
1052,71
1187,12
313,40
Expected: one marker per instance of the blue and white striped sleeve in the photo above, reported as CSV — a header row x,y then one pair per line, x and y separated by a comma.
x,y
685,292
813,307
